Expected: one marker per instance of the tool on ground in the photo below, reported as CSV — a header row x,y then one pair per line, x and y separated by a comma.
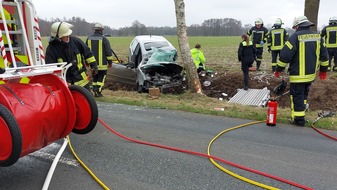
x,y
119,61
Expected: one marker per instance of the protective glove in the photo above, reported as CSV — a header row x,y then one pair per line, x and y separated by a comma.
x,y
261,42
322,75
269,50
110,65
277,74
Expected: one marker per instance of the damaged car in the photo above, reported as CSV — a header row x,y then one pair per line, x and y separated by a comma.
x,y
152,63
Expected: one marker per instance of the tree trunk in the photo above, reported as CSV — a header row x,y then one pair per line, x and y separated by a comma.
x,y
191,71
311,8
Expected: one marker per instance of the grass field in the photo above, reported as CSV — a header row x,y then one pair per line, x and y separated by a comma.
x,y
221,55
220,52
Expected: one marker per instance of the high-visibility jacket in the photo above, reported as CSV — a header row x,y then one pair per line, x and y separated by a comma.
x,y
258,35
329,33
246,52
305,52
100,46
76,50
277,38
198,57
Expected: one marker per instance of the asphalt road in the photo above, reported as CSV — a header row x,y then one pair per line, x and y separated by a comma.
x,y
300,155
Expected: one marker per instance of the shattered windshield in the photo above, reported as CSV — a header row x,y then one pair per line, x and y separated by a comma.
x,y
162,55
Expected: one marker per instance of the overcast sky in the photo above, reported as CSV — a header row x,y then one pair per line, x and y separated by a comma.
x,y
158,13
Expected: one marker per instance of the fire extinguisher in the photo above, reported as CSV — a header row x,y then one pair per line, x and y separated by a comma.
x,y
272,112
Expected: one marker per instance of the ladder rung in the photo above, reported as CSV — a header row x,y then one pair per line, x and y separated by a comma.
x,y
15,32
14,49
9,21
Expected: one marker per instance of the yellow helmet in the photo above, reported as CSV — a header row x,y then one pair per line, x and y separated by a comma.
x,y
61,29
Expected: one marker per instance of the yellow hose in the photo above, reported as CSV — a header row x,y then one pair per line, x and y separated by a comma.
x,y
228,171
85,167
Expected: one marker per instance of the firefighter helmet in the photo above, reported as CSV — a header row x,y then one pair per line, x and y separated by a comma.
x,y
259,21
278,21
333,20
98,26
302,21
61,29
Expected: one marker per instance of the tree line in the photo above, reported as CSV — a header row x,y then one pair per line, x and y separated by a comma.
x,y
210,27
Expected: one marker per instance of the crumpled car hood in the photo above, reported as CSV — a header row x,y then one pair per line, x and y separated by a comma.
x,y
163,67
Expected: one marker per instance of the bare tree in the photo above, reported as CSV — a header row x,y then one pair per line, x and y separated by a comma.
x,y
311,8
192,75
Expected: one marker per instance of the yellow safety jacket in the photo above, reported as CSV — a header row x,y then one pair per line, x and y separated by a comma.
x,y
76,50
277,38
305,52
198,57
329,33
100,46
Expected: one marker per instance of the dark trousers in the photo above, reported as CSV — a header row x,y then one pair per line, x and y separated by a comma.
x,y
332,55
98,81
259,52
245,69
274,55
298,96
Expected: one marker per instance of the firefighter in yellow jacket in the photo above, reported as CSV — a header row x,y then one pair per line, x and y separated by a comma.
x,y
258,34
100,46
329,33
305,52
276,38
198,58
66,48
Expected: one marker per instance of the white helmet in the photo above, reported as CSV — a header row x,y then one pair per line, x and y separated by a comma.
x,y
333,20
61,29
98,26
278,21
302,21
258,21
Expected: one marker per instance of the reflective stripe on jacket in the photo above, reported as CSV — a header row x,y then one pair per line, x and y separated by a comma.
x,y
305,52
277,38
258,35
329,33
76,49
100,46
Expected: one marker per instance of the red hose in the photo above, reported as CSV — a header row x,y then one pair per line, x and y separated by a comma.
x,y
324,134
208,156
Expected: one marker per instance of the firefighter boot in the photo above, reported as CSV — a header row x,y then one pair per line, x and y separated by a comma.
x,y
273,69
258,64
334,68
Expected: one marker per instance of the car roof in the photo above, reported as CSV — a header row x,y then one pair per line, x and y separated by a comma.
x,y
149,38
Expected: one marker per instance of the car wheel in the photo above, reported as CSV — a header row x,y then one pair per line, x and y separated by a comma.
x,y
86,110
11,138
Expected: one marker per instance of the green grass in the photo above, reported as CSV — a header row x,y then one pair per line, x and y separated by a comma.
x,y
221,55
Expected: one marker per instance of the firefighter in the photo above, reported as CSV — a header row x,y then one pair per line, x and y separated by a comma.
x,y
198,58
258,34
247,55
100,46
329,33
276,38
63,47
305,52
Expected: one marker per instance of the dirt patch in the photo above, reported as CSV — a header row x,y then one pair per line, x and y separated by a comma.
x,y
322,95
